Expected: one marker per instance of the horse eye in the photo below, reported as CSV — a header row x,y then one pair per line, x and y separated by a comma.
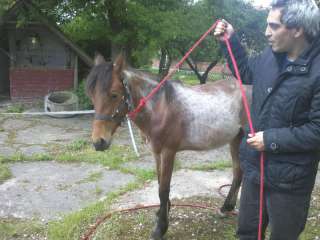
x,y
114,95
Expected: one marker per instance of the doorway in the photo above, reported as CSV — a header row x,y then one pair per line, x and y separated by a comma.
x,y
4,66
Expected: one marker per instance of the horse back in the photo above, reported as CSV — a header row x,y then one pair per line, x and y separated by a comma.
x,y
211,115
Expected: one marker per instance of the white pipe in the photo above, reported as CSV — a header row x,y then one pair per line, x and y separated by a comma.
x,y
132,138
50,113
73,113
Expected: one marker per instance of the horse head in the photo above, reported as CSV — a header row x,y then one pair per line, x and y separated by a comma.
x,y
108,95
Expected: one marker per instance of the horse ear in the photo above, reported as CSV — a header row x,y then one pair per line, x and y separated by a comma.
x,y
99,59
119,63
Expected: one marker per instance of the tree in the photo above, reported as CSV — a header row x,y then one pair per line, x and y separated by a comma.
x,y
145,28
5,4
245,17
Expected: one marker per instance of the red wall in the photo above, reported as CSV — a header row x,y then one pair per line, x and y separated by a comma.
x,y
34,83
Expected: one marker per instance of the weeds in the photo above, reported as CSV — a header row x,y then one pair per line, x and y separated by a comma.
x,y
17,108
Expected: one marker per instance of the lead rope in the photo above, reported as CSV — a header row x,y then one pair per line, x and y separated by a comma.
x,y
246,106
144,100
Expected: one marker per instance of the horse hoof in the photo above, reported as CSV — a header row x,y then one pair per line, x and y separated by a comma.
x,y
158,233
156,236
224,214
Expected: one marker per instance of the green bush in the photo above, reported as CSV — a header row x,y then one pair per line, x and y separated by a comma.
x,y
84,100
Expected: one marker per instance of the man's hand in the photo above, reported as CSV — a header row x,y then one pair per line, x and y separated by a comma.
x,y
256,141
223,27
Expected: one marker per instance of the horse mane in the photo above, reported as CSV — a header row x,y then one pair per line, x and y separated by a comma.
x,y
167,88
102,73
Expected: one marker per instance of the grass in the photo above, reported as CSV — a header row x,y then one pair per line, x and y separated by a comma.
x,y
142,174
185,223
79,151
22,230
216,165
191,223
188,77
17,108
75,225
93,177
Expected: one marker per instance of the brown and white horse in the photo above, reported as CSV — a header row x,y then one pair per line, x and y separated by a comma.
x,y
177,118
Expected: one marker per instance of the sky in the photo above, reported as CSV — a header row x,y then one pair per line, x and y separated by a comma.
x,y
263,3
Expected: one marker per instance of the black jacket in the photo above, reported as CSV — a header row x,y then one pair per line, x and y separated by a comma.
x,y
286,106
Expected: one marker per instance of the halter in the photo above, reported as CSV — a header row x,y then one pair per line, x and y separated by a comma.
x,y
118,115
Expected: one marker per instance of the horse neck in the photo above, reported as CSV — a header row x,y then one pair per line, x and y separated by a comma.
x,y
140,85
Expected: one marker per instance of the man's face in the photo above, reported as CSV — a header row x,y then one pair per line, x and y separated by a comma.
x,y
280,38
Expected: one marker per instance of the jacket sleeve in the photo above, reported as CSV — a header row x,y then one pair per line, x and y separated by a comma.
x,y
245,64
297,139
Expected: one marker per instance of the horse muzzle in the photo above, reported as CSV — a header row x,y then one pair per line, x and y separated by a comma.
x,y
101,144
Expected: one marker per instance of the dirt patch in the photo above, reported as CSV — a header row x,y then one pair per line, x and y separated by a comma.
x,y
185,223
191,223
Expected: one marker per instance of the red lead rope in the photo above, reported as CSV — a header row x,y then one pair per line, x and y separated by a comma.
x,y
144,100
246,106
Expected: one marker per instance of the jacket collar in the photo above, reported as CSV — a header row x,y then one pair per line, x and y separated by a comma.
x,y
305,58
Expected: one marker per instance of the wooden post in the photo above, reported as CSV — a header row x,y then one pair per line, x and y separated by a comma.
x,y
75,80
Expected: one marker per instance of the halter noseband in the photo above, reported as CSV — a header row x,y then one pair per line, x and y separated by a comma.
x,y
118,116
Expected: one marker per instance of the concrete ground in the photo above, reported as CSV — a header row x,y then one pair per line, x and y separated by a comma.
x,y
47,190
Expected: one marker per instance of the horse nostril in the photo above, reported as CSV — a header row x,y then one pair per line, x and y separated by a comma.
x,y
101,145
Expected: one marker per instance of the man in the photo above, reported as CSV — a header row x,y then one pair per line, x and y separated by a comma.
x,y
286,117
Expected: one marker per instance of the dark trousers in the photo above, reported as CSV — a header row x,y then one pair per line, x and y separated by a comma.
x,y
286,214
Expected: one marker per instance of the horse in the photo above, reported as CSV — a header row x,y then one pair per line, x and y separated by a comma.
x,y
176,118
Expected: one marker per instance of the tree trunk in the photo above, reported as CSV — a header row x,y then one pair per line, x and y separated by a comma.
x,y
165,63
115,51
116,11
202,78
194,68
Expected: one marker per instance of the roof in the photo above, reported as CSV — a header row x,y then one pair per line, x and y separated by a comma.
x,y
51,27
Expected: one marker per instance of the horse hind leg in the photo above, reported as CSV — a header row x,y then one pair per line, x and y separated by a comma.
x,y
230,201
165,174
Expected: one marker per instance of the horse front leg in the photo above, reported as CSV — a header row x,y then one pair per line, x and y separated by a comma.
x,y
230,202
165,174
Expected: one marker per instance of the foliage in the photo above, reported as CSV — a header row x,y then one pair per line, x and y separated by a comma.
x,y
142,27
247,21
16,108
84,100
5,4
19,229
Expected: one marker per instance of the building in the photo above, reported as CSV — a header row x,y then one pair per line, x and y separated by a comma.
x,y
36,58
